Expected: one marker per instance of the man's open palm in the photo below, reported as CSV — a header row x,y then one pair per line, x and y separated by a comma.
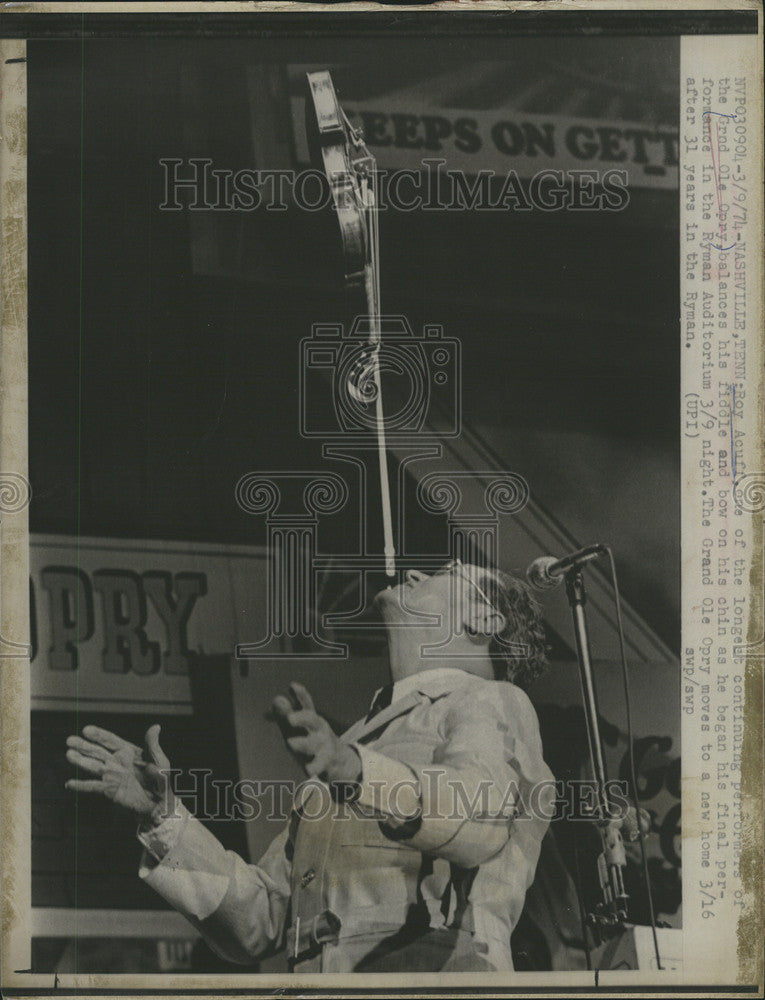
x,y
122,772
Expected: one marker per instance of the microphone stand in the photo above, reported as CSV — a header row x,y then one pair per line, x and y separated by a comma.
x,y
610,914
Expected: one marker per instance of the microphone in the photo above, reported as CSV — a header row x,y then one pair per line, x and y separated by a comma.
x,y
547,572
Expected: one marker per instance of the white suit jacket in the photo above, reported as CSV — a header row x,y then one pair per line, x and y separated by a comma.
x,y
442,840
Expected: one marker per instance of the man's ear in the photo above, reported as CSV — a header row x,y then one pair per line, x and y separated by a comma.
x,y
483,622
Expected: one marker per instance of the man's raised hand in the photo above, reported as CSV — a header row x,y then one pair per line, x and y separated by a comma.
x,y
310,738
133,778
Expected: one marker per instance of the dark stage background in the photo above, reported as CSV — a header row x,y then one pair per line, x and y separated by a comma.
x,y
157,380
153,388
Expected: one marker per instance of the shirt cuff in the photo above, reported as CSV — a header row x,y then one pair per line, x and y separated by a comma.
x,y
160,839
387,786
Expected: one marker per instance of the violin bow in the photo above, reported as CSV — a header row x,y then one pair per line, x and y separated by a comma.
x,y
369,198
360,168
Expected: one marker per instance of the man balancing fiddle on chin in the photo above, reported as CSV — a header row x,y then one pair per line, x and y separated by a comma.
x,y
413,846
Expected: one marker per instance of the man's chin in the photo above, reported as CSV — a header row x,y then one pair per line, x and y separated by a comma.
x,y
388,595
389,602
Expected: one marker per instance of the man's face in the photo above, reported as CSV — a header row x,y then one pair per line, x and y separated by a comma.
x,y
455,593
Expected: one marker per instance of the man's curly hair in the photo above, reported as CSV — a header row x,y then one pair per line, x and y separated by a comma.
x,y
519,651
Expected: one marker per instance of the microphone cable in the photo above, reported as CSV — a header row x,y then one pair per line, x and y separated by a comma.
x,y
631,740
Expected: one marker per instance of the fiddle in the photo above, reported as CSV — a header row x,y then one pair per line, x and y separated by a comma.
x,y
338,149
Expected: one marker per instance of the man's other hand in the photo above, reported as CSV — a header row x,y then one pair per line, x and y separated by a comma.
x,y
311,740
133,778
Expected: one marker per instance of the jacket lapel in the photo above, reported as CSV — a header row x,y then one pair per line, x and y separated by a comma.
x,y
361,730
430,689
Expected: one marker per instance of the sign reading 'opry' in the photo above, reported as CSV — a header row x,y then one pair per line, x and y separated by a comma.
x,y
114,623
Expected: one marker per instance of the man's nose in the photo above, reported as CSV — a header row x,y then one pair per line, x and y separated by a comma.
x,y
415,576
